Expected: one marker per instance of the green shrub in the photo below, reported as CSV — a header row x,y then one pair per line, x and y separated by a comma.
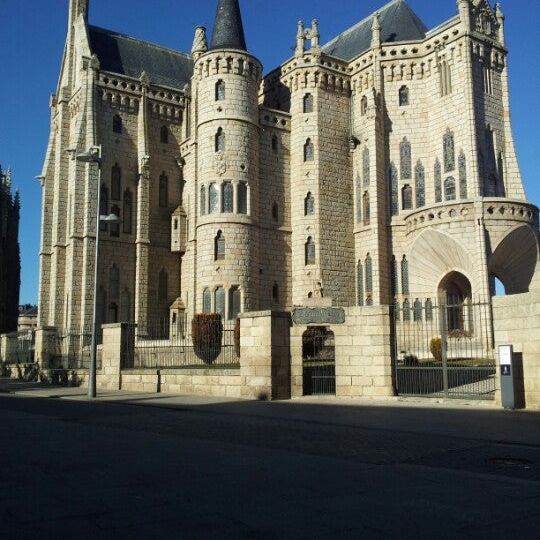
x,y
207,333
435,347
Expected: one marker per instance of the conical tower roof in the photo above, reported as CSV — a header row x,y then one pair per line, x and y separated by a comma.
x,y
228,27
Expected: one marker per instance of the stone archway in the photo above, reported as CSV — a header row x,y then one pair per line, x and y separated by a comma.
x,y
455,293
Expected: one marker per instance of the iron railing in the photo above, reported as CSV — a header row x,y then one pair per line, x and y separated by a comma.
x,y
444,350
318,363
71,349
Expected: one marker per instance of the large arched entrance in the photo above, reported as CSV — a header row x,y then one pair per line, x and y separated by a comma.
x,y
319,361
455,293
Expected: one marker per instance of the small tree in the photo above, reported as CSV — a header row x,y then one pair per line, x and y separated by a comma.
x,y
207,333
435,347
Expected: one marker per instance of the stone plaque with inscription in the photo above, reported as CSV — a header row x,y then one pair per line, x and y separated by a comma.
x,y
318,315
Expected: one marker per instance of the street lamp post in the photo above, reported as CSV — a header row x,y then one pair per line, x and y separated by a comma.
x,y
94,156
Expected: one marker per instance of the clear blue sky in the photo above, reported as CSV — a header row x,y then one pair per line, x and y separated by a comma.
x,y
32,38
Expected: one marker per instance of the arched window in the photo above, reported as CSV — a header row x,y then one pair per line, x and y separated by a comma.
x,y
220,90
308,103
309,204
202,201
125,306
450,189
235,302
420,185
275,293
103,207
114,283
369,280
310,251
360,284
363,105
417,312
207,301
309,151
112,317
366,208
128,212
406,310
492,187
394,189
393,276
213,198
163,191
227,196
219,246
438,181
116,183
405,154
403,96
164,135
445,78
358,192
397,310
449,151
117,124
219,299
407,197
163,285
220,140
457,292
462,168
275,212
242,198
405,289
429,310
275,144
115,227
365,167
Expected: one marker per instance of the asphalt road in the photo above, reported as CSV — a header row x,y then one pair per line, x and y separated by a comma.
x,y
188,469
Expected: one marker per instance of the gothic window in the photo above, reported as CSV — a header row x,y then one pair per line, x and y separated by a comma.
x,y
393,276
309,151
207,301
242,198
394,190
405,276
492,188
308,103
235,299
163,285
405,154
363,105
128,212
488,81
275,212
103,207
220,140
462,167
358,192
360,284
220,90
366,208
406,310
275,144
227,196
117,124
450,189
115,227
164,135
445,78
213,198
113,313
163,191
397,310
429,310
500,167
369,280
310,251
438,181
420,185
407,197
365,167
202,202
275,293
449,151
219,246
114,283
403,96
116,183
219,300
125,306
417,313
309,205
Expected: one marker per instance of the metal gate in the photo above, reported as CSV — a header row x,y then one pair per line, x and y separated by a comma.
x,y
319,362
444,350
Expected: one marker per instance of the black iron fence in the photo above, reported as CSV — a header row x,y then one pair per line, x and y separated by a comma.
x,y
175,347
318,362
71,349
20,347
444,349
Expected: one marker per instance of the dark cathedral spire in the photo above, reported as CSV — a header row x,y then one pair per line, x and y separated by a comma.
x,y
228,28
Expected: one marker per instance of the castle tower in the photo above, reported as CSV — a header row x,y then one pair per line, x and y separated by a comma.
x,y
225,90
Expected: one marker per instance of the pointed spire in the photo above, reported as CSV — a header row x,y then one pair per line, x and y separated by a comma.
x,y
200,44
228,28
376,31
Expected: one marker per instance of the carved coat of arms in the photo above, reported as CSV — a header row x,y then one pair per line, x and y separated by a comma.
x,y
220,163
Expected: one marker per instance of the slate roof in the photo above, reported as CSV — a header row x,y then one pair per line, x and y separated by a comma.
x,y
398,23
125,55
228,27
